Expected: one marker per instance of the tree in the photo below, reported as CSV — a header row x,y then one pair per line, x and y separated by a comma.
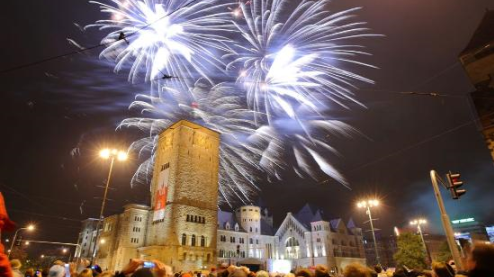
x,y
443,254
410,251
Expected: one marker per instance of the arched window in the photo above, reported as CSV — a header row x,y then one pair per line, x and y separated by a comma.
x,y
193,240
292,248
184,239
188,218
250,229
195,218
203,241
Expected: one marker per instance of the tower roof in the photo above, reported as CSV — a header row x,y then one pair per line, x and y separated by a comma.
x,y
483,35
190,124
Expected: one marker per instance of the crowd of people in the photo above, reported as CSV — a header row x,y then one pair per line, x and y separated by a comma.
x,y
479,264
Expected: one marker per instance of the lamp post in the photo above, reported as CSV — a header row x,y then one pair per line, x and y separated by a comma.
x,y
111,154
419,222
367,204
30,227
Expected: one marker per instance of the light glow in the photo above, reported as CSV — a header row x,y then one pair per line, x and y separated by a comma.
x,y
105,153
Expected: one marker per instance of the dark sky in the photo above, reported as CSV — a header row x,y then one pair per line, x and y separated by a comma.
x,y
52,108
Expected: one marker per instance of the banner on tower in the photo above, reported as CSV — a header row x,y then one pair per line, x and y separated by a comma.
x,y
161,193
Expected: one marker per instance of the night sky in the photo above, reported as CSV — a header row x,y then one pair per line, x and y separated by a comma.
x,y
57,115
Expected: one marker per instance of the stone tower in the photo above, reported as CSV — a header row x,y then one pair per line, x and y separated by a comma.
x,y
182,224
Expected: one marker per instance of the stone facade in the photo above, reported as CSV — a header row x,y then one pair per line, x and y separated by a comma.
x,y
184,228
87,238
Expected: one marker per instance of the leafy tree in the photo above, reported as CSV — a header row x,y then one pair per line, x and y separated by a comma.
x,y
443,254
410,251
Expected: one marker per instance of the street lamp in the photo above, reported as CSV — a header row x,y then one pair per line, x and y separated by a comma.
x,y
367,204
30,227
419,222
106,154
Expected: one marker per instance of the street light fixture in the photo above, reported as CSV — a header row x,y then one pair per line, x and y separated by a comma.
x,y
419,222
106,154
367,204
30,228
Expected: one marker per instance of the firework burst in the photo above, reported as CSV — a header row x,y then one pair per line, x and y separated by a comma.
x,y
216,107
291,56
155,38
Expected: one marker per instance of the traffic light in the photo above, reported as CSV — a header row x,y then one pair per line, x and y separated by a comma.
x,y
454,184
18,241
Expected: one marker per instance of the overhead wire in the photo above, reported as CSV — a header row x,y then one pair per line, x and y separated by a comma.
x,y
124,37
410,146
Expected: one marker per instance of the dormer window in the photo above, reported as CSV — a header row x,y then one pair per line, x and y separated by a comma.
x,y
236,227
227,226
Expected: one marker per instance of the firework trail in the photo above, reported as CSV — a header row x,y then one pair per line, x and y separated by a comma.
x,y
291,56
305,142
156,38
216,107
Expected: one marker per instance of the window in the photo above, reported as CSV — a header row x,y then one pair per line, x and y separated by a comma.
x,y
193,240
256,230
232,239
318,240
257,241
250,229
251,241
188,218
184,239
203,241
223,238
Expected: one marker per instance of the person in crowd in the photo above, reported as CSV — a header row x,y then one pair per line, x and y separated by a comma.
x,y
212,272
57,270
29,272
480,260
238,272
304,272
86,272
442,270
321,271
262,273
356,270
379,270
16,268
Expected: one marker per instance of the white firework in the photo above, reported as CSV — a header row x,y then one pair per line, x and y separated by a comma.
x,y
157,38
293,55
215,107
305,142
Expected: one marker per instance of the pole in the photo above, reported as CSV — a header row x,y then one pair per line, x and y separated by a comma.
x,y
102,210
13,241
448,230
373,235
423,242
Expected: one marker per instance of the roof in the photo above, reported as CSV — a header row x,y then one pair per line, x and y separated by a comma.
x,y
306,214
483,35
266,228
190,124
227,217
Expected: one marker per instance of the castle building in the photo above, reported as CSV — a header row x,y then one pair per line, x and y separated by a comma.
x,y
184,228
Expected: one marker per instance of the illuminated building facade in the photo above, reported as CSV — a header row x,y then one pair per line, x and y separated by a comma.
x,y
184,228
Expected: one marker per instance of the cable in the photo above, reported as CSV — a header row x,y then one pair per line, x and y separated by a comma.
x,y
121,37
432,94
423,141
